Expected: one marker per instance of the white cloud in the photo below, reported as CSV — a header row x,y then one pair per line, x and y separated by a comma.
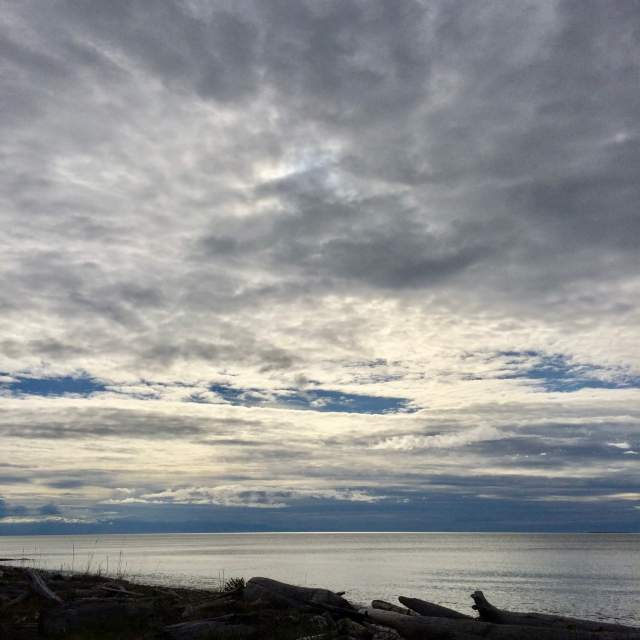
x,y
438,441
241,496
619,445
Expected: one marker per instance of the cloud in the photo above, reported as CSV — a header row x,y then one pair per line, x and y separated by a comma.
x,y
439,440
114,423
356,249
633,496
16,513
239,496
619,445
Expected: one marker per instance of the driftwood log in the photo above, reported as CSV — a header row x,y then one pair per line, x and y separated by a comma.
x,y
120,591
387,606
489,613
14,601
425,608
39,586
271,593
421,627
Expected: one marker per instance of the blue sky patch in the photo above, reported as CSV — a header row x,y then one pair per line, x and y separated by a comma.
x,y
555,373
56,386
315,400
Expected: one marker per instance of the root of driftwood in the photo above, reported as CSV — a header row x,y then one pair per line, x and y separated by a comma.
x,y
489,613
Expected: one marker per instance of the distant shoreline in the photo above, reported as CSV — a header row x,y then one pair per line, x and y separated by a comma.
x,y
269,533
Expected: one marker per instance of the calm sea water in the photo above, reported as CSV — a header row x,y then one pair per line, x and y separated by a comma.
x,y
592,576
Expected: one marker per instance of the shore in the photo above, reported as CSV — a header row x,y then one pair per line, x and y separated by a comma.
x,y
94,607
37,604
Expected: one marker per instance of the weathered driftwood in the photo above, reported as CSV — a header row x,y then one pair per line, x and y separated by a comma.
x,y
383,605
421,627
39,586
490,613
118,590
211,629
425,608
105,615
271,593
14,601
101,598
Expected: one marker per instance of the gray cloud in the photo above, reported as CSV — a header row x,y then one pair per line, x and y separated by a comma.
x,y
273,195
80,423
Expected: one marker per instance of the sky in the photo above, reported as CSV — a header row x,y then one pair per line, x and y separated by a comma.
x,y
331,265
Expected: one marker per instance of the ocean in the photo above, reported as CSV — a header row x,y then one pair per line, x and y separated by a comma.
x,y
593,576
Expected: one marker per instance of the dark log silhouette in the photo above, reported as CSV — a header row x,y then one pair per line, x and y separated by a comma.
x,y
422,627
425,608
282,595
17,600
490,613
39,586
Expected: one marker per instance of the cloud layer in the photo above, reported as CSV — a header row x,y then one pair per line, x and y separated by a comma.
x,y
292,256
